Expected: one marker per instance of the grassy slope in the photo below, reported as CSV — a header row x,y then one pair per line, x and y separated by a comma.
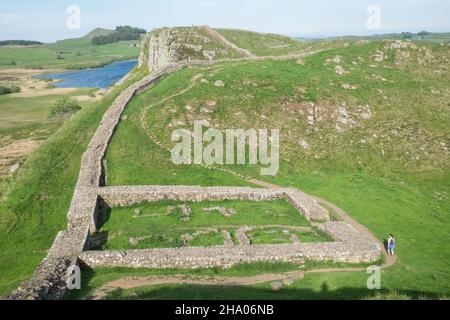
x,y
143,162
20,117
432,37
388,192
75,53
382,193
262,44
35,206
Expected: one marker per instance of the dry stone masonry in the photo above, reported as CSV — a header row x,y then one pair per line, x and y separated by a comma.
x,y
357,250
92,201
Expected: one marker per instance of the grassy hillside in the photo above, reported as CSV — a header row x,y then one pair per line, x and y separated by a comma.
x,y
69,54
262,44
364,126
430,37
34,205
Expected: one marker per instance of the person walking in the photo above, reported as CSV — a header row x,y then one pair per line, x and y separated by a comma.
x,y
391,245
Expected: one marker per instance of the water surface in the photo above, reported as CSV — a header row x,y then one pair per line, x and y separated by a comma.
x,y
101,78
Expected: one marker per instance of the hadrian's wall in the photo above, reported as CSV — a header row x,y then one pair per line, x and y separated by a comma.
x,y
130,195
355,249
49,279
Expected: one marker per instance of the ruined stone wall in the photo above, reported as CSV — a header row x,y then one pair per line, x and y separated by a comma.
x,y
130,195
357,249
49,279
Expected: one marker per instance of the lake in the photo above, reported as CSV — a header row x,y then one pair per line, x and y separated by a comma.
x,y
101,78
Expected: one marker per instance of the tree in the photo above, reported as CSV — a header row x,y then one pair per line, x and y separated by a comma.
x,y
64,107
424,33
122,33
9,90
407,35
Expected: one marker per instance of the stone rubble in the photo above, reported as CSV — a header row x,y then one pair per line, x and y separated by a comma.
x,y
227,212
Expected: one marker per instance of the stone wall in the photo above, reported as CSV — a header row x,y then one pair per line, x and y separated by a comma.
x,y
357,249
49,279
130,195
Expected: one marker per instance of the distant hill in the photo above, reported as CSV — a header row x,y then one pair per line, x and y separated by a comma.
x,y
97,33
421,36
80,42
76,53
19,43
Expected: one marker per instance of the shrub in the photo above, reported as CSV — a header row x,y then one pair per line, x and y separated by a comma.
x,y
3,90
14,89
64,107
424,33
8,90
407,35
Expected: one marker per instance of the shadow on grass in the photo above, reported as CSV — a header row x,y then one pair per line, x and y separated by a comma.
x,y
258,292
197,292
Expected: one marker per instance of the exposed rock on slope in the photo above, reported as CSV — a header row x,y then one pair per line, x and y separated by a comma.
x,y
168,46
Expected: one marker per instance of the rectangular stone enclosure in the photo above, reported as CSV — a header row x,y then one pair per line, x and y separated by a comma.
x,y
350,246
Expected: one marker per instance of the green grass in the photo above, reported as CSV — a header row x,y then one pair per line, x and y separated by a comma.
x,y
208,240
93,279
28,117
438,38
396,181
315,235
143,162
34,205
262,44
269,236
76,53
329,286
278,236
162,228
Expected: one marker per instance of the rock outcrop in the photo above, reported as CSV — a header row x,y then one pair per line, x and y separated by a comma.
x,y
170,46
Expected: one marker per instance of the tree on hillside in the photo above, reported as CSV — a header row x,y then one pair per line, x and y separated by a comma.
x,y
424,33
19,43
64,107
122,33
9,90
407,35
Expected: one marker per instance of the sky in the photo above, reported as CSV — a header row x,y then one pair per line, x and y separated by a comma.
x,y
46,20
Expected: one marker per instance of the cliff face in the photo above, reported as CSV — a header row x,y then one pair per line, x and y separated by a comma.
x,y
169,46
